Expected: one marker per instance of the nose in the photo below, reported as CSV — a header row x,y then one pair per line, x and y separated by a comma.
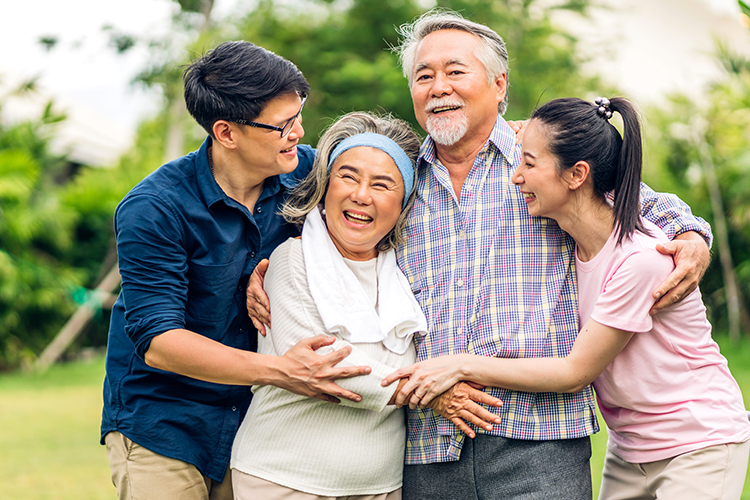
x,y
361,194
440,85
297,132
517,178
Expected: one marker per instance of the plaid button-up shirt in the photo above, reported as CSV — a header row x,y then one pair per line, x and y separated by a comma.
x,y
494,281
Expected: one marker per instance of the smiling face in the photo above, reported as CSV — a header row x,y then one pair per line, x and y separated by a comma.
x,y
451,95
363,201
264,151
545,190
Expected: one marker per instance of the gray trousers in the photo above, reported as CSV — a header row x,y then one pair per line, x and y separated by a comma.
x,y
495,468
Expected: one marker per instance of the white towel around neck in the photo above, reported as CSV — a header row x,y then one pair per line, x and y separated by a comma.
x,y
342,302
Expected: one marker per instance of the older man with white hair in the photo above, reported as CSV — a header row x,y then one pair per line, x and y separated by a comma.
x,y
494,282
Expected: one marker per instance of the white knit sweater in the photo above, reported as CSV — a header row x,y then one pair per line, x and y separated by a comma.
x,y
307,444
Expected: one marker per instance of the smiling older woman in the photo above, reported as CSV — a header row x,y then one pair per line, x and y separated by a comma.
x,y
341,279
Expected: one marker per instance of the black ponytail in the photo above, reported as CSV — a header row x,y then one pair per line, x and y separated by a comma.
x,y
628,179
580,131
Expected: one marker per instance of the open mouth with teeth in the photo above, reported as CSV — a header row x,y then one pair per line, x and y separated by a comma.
x,y
361,219
529,196
288,150
444,109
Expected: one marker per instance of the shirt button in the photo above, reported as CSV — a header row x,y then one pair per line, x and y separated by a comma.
x,y
460,330
461,233
234,408
252,255
258,210
459,282
242,330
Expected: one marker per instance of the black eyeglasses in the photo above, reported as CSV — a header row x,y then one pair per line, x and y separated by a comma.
x,y
284,129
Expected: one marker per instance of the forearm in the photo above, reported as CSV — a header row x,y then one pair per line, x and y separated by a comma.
x,y
528,374
428,379
594,349
193,355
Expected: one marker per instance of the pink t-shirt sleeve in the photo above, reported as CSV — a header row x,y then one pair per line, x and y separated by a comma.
x,y
626,299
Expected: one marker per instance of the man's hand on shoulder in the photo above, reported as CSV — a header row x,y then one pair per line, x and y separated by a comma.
x,y
692,257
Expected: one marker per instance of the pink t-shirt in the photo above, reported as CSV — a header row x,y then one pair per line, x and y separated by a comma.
x,y
670,390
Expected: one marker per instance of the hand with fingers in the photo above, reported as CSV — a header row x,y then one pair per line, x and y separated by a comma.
x,y
519,127
428,379
258,305
692,257
307,373
462,405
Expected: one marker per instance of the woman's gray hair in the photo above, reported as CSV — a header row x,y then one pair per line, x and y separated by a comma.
x,y
492,54
311,191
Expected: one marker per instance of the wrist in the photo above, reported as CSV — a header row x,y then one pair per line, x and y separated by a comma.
x,y
693,235
465,365
271,370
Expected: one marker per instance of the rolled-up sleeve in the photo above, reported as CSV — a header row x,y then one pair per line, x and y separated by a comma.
x,y
672,215
153,266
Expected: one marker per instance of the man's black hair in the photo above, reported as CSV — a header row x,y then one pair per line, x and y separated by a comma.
x,y
236,80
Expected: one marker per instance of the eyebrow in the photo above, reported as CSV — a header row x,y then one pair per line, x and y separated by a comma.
x,y
423,65
526,153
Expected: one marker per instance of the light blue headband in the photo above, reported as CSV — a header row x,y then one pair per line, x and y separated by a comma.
x,y
388,146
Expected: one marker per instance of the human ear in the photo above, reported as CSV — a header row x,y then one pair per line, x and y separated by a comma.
x,y
501,82
224,134
577,174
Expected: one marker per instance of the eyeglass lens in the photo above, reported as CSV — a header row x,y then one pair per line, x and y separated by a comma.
x,y
288,125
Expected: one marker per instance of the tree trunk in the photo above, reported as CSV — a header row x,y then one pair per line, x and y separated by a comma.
x,y
101,297
735,305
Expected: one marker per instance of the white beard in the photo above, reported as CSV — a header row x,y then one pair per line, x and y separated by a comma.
x,y
446,131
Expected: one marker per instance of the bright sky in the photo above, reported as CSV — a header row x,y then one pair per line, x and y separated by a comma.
x,y
82,70
82,73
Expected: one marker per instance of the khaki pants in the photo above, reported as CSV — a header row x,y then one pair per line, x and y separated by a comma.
x,y
140,474
247,487
713,473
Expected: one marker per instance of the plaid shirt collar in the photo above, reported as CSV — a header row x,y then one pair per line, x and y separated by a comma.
x,y
502,138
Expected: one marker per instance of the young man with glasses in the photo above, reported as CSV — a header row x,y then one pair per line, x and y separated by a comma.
x,y
180,355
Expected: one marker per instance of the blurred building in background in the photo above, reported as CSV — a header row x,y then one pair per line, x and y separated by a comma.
x,y
87,137
652,48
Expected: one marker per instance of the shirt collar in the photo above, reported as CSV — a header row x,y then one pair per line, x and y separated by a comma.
x,y
502,138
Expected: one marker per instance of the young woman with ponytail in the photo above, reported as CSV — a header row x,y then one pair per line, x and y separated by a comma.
x,y
677,423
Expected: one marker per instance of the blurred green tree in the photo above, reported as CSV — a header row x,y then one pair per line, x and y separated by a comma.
x,y
36,233
699,151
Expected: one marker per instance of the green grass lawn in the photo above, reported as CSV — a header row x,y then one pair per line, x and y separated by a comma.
x,y
49,431
49,435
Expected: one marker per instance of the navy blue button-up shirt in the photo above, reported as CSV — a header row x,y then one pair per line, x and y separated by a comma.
x,y
186,251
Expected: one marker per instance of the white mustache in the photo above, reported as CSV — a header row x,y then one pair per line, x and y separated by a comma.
x,y
443,102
